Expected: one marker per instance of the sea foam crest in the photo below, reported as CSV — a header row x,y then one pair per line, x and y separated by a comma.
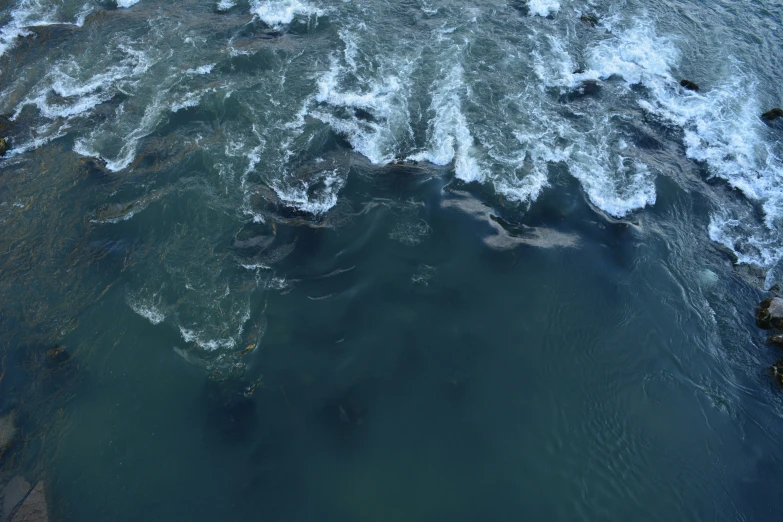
x,y
450,139
315,196
33,13
377,116
543,7
282,12
721,129
225,5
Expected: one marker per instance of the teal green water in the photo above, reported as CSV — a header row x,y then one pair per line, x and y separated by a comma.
x,y
361,261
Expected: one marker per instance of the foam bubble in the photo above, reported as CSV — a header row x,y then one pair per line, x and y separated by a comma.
x,y
149,312
638,55
543,7
282,12
303,196
34,13
377,115
126,3
225,5
194,336
721,129
450,139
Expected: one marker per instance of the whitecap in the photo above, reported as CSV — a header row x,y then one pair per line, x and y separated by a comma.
x,y
543,7
194,336
300,194
721,129
282,12
149,312
450,139
225,5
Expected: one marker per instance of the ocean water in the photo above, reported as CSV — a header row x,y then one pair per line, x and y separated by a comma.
x,y
344,260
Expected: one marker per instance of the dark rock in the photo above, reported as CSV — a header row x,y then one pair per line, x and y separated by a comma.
x,y
56,356
772,114
3,146
33,509
270,35
589,19
364,115
12,495
777,371
769,313
775,289
590,88
689,85
776,339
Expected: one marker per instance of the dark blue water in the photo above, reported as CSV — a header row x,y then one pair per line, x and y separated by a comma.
x,y
360,261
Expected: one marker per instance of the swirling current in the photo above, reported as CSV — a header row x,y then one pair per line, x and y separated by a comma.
x,y
426,260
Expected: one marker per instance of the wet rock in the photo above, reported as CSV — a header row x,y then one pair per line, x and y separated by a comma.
x,y
589,19
3,146
33,509
776,340
7,431
270,35
772,114
12,495
777,372
689,85
769,313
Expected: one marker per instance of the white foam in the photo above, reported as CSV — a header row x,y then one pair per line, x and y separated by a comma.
x,y
282,12
384,98
298,194
191,99
202,69
450,139
149,312
36,142
543,7
193,336
33,13
617,185
225,5
638,55
721,129
126,3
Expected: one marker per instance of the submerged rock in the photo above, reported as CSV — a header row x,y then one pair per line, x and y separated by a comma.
x,y
689,85
33,509
769,313
56,356
12,495
3,146
772,114
7,431
589,19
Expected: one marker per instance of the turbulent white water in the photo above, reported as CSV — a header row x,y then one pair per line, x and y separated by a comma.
x,y
281,12
543,7
497,94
